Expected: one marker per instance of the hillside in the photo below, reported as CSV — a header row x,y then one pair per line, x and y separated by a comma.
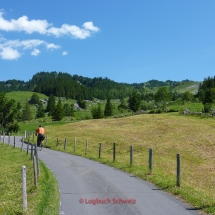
x,y
74,86
166,134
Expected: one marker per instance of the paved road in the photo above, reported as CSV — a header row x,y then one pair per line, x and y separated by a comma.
x,y
90,188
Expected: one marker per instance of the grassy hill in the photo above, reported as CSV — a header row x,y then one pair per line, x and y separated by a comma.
x,y
191,87
167,134
23,95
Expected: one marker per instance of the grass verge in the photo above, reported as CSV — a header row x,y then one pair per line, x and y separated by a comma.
x,y
43,199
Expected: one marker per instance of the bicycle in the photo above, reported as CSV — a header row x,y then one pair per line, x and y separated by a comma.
x,y
40,145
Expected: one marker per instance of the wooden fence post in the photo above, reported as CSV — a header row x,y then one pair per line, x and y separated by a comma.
x,y
14,142
86,149
9,139
100,149
178,176
31,151
27,146
35,170
37,161
131,155
24,190
150,160
75,144
114,152
22,144
65,143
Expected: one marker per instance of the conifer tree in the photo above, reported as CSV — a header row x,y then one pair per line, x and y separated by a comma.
x,y
108,108
134,101
68,109
40,111
58,112
26,113
34,99
51,104
97,112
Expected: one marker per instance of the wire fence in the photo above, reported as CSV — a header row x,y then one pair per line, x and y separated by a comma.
x,y
173,169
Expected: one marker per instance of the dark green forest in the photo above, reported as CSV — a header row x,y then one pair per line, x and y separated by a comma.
x,y
78,87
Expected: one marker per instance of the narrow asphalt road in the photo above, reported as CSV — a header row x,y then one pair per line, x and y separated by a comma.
x,y
90,188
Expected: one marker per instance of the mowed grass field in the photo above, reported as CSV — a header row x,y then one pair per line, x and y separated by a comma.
x,y
167,134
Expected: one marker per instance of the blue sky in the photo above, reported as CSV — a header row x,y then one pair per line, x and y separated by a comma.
x,y
126,41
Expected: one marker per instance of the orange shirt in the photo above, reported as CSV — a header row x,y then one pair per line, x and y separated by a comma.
x,y
40,130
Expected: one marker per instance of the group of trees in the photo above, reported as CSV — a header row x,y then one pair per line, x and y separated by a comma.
x,y
98,113
9,113
54,109
206,93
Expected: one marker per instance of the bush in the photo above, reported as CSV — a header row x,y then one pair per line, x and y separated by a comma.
x,y
172,110
207,107
159,111
152,111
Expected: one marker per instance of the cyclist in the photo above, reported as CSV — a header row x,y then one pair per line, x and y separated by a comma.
x,y
40,133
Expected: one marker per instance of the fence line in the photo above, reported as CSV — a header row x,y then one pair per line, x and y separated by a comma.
x,y
131,150
36,167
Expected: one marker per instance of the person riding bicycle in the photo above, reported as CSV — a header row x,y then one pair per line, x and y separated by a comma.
x,y
40,133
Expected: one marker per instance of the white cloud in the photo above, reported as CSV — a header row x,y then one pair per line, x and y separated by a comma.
x,y
90,26
43,27
65,53
9,48
9,54
25,44
52,46
23,24
35,52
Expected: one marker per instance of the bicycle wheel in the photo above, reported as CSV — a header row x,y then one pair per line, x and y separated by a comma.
x,y
39,146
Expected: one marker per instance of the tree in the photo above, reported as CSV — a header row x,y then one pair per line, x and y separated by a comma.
x,y
134,101
68,109
8,114
108,108
187,96
40,111
97,112
58,112
34,99
51,104
162,96
81,103
26,113
122,104
19,111
208,97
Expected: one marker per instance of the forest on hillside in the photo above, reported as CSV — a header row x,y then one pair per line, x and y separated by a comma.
x,y
127,97
78,87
